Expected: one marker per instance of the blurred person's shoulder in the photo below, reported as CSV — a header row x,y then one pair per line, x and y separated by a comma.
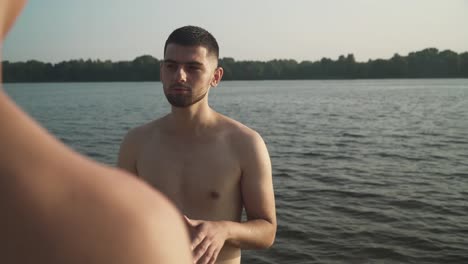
x,y
148,228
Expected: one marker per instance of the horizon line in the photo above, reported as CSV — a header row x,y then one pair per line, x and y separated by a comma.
x,y
244,60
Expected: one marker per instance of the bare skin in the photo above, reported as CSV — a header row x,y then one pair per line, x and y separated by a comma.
x,y
209,165
59,207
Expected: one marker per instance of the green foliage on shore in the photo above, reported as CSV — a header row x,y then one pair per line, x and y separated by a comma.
x,y
427,63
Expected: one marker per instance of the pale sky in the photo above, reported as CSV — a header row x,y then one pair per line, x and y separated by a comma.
x,y
57,30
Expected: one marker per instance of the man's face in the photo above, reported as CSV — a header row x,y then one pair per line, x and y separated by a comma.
x,y
187,74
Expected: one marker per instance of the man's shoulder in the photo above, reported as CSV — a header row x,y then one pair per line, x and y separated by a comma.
x,y
246,143
239,133
142,132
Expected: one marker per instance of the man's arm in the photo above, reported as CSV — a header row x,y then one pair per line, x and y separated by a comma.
x,y
127,152
258,196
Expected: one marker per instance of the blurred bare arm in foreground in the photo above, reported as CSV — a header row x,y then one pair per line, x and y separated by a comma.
x,y
59,207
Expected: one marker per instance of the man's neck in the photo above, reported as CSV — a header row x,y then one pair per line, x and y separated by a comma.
x,y
193,119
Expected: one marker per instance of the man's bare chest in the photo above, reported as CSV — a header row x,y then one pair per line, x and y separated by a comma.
x,y
191,174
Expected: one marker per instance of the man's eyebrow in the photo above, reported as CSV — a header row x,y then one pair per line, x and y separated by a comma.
x,y
194,63
189,62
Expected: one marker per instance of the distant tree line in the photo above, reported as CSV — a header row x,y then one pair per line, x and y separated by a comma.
x,y
427,63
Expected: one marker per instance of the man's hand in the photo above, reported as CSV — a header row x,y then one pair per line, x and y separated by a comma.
x,y
208,238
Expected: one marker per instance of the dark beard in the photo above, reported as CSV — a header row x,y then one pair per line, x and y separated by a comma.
x,y
183,100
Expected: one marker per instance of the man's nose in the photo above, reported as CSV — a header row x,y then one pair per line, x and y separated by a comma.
x,y
181,75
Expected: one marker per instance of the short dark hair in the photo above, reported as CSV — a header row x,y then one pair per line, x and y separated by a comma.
x,y
193,36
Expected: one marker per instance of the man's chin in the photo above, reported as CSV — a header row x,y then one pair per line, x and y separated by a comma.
x,y
179,106
178,102
183,101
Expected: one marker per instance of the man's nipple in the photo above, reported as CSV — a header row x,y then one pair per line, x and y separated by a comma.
x,y
214,195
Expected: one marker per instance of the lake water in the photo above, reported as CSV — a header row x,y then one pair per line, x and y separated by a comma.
x,y
365,171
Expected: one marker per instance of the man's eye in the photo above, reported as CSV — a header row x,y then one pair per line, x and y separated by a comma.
x,y
170,66
194,68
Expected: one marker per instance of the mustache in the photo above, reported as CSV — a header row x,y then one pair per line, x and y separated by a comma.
x,y
178,86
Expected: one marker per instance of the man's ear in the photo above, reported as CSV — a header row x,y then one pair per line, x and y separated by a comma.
x,y
218,75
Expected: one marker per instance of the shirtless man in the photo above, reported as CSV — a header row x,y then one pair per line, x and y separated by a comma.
x,y
209,165
59,207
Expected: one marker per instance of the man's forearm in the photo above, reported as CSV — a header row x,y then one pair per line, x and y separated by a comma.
x,y
252,234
